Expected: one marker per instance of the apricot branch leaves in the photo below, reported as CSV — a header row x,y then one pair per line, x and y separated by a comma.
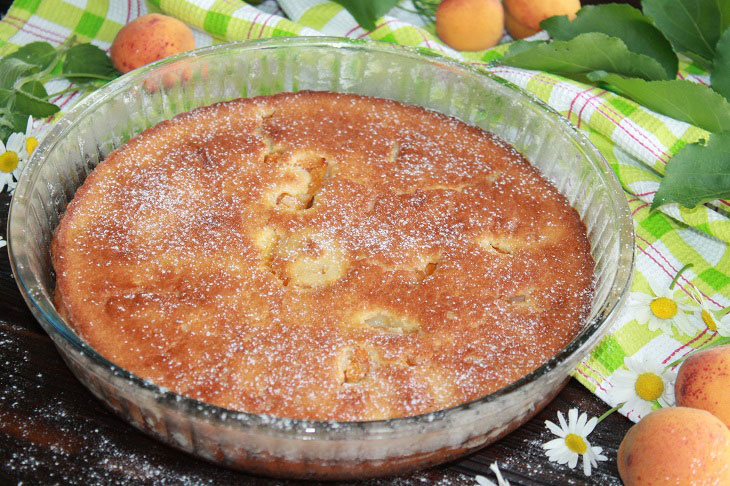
x,y
692,26
690,183
635,55
584,54
24,73
622,22
720,77
684,100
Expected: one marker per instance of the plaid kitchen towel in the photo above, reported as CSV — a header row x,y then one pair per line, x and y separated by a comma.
x,y
636,142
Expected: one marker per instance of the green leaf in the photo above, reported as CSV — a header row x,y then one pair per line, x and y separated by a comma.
x,y
11,69
10,120
680,99
368,11
697,174
692,26
31,100
40,54
19,121
6,97
585,53
36,89
519,46
30,105
88,59
720,78
617,20
5,133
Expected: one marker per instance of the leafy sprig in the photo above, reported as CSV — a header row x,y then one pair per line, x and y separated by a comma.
x,y
624,50
623,22
698,173
584,54
692,26
24,73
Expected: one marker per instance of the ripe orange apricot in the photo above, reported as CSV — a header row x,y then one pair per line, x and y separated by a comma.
x,y
148,39
470,25
523,17
516,29
679,446
703,381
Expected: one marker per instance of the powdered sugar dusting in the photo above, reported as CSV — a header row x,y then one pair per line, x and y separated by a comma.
x,y
323,256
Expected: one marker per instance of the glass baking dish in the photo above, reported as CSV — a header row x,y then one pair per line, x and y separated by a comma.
x,y
298,448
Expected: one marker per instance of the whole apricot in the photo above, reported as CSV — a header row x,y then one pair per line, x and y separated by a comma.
x,y
523,17
678,446
470,25
147,39
703,381
516,29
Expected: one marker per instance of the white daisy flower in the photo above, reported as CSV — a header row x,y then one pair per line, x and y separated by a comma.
x,y
661,310
715,321
12,156
572,442
643,382
482,481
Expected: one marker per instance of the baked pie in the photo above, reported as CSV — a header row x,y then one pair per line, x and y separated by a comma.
x,y
322,256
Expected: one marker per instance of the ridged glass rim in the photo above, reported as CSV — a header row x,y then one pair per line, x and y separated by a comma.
x,y
297,428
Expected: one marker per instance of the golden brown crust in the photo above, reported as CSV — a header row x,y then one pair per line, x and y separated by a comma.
x,y
322,256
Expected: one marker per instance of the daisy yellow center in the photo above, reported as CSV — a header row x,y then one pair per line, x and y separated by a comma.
x,y
649,386
576,443
8,161
663,308
708,320
30,144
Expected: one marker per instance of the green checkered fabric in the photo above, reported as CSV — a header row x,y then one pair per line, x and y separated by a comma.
x,y
636,142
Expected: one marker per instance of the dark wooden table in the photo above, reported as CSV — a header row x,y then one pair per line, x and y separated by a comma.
x,y
53,431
